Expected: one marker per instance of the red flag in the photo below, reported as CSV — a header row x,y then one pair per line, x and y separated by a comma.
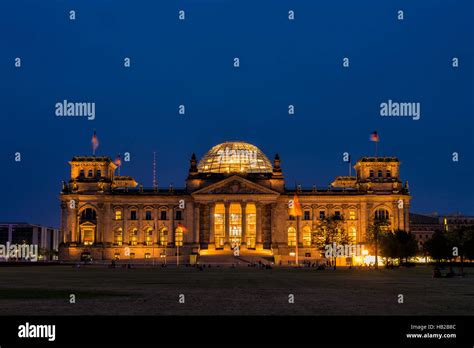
x,y
374,136
95,142
184,229
295,207
118,161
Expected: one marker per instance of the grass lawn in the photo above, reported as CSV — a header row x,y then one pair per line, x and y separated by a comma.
x,y
45,290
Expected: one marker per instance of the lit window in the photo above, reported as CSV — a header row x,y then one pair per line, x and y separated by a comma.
x,y
147,256
291,236
88,237
118,215
306,236
251,233
163,237
352,215
134,237
178,237
118,239
149,237
132,255
219,225
117,256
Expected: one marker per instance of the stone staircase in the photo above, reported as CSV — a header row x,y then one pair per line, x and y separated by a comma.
x,y
228,258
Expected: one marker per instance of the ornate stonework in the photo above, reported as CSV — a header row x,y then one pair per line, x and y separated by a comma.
x,y
113,217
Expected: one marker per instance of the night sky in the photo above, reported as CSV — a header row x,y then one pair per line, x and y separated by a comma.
x,y
191,62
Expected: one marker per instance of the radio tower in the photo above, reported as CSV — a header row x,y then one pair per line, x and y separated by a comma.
x,y
155,183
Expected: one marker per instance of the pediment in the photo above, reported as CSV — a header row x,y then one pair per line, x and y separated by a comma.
x,y
235,185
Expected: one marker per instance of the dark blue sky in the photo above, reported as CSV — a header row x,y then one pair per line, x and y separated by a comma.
x,y
190,62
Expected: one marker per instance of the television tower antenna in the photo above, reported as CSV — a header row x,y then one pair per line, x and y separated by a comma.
x,y
155,183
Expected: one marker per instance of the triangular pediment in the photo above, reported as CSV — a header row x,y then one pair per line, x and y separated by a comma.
x,y
235,185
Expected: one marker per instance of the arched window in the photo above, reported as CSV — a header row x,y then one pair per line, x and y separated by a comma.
x,y
118,239
118,214
163,236
389,174
149,236
306,236
371,173
381,214
379,173
178,236
148,215
89,173
81,173
291,236
134,237
88,214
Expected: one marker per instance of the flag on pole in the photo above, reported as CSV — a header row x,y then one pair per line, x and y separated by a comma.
x,y
95,142
374,136
295,208
118,161
184,229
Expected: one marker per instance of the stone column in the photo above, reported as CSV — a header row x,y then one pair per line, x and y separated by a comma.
x,y
259,244
72,224
212,211
141,233
406,210
125,232
227,226
155,225
243,207
172,234
196,224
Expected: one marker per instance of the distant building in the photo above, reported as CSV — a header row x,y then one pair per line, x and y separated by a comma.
x,y
454,221
47,238
423,227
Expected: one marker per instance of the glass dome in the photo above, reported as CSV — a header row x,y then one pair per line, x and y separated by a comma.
x,y
235,157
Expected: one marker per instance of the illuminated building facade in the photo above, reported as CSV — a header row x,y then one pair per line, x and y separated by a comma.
x,y
234,197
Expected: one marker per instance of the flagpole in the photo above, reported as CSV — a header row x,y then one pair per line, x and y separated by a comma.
x,y
350,166
376,148
297,239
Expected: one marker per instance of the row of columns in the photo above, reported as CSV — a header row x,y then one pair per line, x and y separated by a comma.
x,y
243,207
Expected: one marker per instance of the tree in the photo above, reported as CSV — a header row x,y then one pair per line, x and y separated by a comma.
x,y
374,233
438,247
331,230
460,238
388,245
407,245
